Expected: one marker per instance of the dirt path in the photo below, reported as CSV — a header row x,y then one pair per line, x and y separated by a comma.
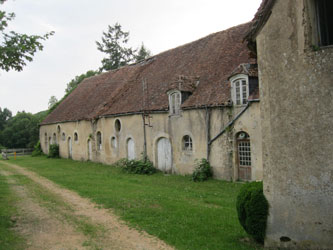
x,y
57,218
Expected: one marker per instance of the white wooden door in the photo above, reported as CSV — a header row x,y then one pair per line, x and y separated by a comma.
x,y
69,147
130,149
164,158
89,150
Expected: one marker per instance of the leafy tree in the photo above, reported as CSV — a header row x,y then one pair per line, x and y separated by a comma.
x,y
16,49
114,45
78,79
20,131
53,100
143,53
5,115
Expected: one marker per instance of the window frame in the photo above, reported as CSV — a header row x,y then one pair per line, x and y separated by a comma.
x,y
239,78
187,139
321,14
99,141
174,107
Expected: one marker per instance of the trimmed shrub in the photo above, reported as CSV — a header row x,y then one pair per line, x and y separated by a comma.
x,y
53,151
136,166
203,170
37,150
252,209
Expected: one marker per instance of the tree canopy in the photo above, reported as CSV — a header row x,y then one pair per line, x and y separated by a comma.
x,y
16,49
143,53
20,131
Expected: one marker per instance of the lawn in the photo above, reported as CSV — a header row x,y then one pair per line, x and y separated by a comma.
x,y
183,213
9,240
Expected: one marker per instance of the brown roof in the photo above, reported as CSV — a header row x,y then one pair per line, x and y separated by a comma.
x,y
247,69
260,19
207,63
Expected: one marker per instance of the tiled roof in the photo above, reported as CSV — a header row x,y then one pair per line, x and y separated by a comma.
x,y
247,69
144,85
260,19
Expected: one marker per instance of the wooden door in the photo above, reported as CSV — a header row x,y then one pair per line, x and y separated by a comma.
x,y
164,157
130,149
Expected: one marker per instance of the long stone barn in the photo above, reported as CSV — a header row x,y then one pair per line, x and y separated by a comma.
x,y
199,100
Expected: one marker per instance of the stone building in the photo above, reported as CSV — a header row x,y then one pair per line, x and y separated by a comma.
x,y
293,41
199,100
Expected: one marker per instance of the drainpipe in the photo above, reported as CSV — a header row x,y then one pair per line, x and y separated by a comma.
x,y
144,138
230,123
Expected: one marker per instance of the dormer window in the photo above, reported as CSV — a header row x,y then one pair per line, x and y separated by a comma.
x,y
240,89
175,102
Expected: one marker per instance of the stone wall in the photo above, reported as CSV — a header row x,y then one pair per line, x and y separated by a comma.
x,y
296,80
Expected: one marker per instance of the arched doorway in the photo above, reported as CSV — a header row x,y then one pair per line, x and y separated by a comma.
x,y
70,153
89,150
244,156
130,149
164,157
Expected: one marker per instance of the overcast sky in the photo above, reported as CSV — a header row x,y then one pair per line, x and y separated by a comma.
x,y
160,25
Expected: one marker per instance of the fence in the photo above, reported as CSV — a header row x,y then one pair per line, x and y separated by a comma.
x,y
19,151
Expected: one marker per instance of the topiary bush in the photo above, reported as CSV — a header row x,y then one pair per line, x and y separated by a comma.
x,y
53,151
252,210
136,166
37,150
202,171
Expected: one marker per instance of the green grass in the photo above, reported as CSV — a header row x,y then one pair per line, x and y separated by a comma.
x,y
184,214
8,238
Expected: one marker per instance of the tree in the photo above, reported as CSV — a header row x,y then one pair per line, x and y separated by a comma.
x,y
114,45
143,53
5,115
53,100
20,131
78,79
16,49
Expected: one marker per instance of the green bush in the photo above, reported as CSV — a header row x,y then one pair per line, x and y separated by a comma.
x,y
53,151
202,171
252,209
37,150
136,166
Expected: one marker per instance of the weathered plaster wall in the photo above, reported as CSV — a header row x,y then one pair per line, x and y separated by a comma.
x,y
296,108
190,122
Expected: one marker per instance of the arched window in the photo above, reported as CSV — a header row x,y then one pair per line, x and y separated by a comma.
x,y
45,140
117,125
76,137
240,89
99,140
244,156
175,102
58,129
54,140
187,143
63,136
113,142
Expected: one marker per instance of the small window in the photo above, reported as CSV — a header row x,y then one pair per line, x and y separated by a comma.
x,y
58,129
240,91
76,137
174,102
187,143
99,141
45,139
113,142
63,136
117,125
54,140
324,15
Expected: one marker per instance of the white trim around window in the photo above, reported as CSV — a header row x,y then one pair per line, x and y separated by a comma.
x,y
240,89
175,100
